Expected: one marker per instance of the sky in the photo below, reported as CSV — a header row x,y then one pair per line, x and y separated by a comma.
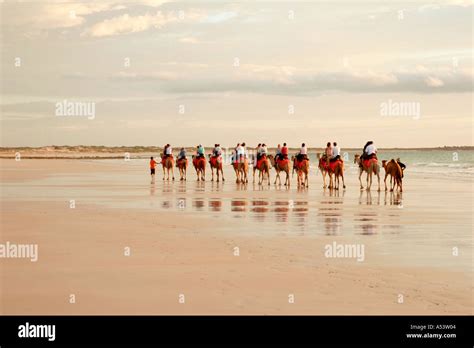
x,y
149,72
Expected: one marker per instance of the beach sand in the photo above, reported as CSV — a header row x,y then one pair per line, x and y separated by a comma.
x,y
183,239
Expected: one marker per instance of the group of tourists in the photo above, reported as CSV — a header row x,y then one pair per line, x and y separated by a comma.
x,y
331,153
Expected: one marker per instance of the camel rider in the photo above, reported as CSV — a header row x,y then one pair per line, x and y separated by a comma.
x,y
264,150
241,152
200,151
234,154
303,154
278,152
328,152
217,152
362,157
336,152
258,150
284,152
370,150
168,150
182,154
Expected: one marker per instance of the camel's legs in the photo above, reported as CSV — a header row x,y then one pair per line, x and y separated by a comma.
x,y
385,181
360,180
378,181
343,183
222,174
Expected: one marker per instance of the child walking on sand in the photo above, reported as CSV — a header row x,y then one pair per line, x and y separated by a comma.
x,y
152,169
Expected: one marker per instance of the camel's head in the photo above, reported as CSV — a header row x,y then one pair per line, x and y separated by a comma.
x,y
319,156
384,163
356,158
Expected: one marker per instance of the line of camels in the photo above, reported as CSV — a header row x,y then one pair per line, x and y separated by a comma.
x,y
335,170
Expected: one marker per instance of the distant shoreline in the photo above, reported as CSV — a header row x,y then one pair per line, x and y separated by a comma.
x,y
138,152
112,149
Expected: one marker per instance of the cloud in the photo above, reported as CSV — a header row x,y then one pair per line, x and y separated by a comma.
x,y
127,24
220,17
434,81
290,81
189,39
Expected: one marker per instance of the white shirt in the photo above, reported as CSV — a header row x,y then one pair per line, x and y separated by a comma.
x,y
240,150
304,151
371,149
169,150
336,151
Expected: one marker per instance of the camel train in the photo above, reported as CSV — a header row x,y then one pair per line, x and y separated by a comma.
x,y
332,169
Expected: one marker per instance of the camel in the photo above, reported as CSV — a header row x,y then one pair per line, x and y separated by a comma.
x,y
280,166
393,169
264,170
373,168
216,163
241,169
200,166
323,170
182,165
302,169
168,164
337,171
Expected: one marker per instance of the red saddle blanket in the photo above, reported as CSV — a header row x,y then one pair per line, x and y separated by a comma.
x,y
181,161
163,159
299,164
332,165
261,161
282,162
197,161
366,163
213,160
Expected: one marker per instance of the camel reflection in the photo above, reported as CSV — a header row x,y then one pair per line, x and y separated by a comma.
x,y
215,205
369,199
238,205
393,198
198,204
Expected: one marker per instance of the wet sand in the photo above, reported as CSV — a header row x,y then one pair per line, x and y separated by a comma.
x,y
183,239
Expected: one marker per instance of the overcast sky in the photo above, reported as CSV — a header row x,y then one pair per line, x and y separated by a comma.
x,y
269,71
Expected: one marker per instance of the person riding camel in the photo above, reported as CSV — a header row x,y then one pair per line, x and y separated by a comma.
x,y
370,151
303,154
336,152
168,151
241,153
199,151
284,152
264,150
328,153
182,154
217,152
258,150
278,153
234,157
